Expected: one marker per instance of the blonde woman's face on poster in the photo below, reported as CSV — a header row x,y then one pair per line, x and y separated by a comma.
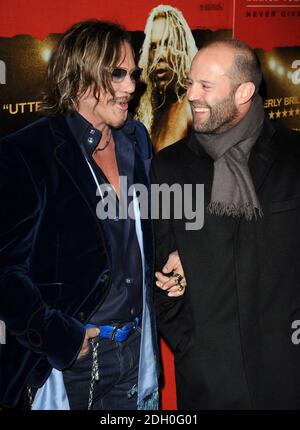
x,y
160,54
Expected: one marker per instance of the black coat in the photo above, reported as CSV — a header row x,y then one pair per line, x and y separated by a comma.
x,y
232,331
55,254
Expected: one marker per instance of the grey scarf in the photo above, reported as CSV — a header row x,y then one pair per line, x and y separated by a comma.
x,y
233,192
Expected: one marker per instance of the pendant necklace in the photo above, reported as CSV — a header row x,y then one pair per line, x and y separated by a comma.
x,y
106,144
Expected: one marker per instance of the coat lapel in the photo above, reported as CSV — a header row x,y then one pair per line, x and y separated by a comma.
x,y
71,159
199,167
141,176
263,156
128,159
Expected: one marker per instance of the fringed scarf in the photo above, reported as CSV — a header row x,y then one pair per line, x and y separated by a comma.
x,y
233,192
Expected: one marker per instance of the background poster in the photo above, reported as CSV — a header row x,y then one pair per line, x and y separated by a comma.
x,y
31,28
273,28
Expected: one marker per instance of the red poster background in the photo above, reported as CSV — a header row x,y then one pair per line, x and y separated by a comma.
x,y
260,29
267,23
38,18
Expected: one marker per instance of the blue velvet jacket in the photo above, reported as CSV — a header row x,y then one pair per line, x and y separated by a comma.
x,y
55,257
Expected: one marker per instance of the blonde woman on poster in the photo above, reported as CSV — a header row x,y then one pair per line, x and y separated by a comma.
x,y
166,56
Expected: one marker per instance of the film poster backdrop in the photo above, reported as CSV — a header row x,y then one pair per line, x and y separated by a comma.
x,y
165,37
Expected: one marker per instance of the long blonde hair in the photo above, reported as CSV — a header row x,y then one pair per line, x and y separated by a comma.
x,y
182,45
83,58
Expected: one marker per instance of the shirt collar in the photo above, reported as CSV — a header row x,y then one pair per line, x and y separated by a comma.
x,y
88,136
83,131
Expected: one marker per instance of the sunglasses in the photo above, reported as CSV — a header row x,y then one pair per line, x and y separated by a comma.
x,y
118,74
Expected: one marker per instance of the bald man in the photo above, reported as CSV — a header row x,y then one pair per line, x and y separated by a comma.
x,y
235,332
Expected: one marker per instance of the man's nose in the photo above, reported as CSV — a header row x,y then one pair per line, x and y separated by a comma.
x,y
162,53
128,84
194,92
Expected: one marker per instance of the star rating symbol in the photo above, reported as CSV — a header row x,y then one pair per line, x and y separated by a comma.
x,y
284,113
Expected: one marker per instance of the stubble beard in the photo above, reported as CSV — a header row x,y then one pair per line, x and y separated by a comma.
x,y
222,116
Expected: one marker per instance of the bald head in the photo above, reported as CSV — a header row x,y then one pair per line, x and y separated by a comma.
x,y
223,78
214,61
244,65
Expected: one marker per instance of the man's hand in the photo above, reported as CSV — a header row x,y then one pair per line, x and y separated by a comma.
x,y
176,283
89,334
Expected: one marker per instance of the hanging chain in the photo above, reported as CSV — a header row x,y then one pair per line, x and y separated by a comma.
x,y
95,371
30,397
94,376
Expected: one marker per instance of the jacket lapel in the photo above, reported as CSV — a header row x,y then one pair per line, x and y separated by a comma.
x,y
128,159
199,167
71,159
263,156
141,176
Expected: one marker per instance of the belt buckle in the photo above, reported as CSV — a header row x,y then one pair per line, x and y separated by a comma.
x,y
114,332
125,330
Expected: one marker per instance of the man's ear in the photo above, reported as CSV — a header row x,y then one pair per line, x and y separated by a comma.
x,y
244,93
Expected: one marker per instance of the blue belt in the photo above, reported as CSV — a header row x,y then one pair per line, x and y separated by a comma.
x,y
117,332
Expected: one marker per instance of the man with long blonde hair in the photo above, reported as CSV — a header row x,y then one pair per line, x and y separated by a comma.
x,y
165,59
75,288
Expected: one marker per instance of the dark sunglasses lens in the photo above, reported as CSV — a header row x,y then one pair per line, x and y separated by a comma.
x,y
136,74
118,75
